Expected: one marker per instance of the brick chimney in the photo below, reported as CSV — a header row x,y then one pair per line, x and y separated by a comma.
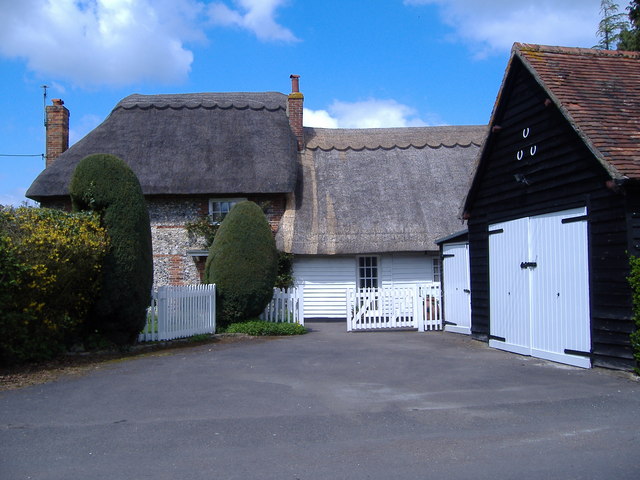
x,y
57,130
296,99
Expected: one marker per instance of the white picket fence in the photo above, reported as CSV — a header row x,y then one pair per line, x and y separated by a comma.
x,y
286,306
415,306
180,312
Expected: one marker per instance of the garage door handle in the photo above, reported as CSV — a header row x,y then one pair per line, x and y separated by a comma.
x,y
466,290
528,264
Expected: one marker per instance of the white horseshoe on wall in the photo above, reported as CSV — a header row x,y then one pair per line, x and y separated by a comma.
x,y
520,154
533,150
525,132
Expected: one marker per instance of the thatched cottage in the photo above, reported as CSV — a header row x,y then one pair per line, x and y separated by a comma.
x,y
355,207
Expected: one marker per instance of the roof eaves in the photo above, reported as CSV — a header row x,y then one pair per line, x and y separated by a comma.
x,y
487,141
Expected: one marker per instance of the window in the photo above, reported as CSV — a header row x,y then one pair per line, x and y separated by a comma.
x,y
368,272
219,207
436,269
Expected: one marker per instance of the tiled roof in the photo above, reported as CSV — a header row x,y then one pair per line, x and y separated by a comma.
x,y
598,91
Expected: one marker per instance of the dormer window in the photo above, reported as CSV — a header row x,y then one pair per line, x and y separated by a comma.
x,y
219,207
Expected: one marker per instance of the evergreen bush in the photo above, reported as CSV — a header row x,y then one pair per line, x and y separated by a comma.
x,y
50,263
285,279
243,263
261,328
105,184
634,281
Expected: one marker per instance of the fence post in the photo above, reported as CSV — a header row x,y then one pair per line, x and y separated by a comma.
x,y
350,309
299,304
419,308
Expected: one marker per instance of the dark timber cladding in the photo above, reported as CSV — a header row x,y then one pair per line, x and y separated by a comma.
x,y
535,162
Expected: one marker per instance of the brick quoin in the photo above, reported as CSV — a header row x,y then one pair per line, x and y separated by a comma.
x,y
176,270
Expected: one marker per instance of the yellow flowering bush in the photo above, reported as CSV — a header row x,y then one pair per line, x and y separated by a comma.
x,y
52,276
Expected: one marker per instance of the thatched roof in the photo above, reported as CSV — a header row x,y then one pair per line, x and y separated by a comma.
x,y
378,190
205,143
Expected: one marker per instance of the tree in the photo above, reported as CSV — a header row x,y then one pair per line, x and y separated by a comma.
x,y
611,25
105,184
243,263
630,37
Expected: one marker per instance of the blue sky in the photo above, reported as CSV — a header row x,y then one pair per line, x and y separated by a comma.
x,y
368,63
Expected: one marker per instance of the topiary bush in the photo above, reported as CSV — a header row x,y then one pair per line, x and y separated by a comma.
x,y
50,264
105,184
243,263
634,281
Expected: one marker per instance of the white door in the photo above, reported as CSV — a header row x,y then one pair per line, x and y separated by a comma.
x,y
560,288
509,294
539,286
456,286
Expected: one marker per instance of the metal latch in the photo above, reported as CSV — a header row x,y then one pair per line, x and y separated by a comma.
x,y
528,264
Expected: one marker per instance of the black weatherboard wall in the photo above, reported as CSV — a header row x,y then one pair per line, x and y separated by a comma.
x,y
533,163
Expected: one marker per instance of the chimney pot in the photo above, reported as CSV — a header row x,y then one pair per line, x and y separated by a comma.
x,y
295,83
57,101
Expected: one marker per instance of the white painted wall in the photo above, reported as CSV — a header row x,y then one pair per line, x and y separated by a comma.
x,y
327,278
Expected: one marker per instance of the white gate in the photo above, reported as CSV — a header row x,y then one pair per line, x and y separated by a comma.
x,y
416,306
456,287
286,306
539,287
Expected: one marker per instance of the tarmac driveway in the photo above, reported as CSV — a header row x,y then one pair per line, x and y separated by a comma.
x,y
327,405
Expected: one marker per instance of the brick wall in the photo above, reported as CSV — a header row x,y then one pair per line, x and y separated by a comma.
x,y
295,109
57,131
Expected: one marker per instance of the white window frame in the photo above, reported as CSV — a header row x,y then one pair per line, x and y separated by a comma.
x,y
437,269
212,201
373,280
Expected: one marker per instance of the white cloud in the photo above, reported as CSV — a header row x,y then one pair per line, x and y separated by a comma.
x,y
257,16
319,119
102,42
492,26
372,113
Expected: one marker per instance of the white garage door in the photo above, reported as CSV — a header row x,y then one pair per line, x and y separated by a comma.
x,y
539,286
456,287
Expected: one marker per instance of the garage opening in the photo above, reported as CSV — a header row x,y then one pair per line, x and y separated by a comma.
x,y
539,287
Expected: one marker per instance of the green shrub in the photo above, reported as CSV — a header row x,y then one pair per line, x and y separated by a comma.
x,y
49,276
243,263
284,279
203,228
105,184
634,281
260,328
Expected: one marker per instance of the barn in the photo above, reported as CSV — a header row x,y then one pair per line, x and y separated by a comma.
x,y
553,210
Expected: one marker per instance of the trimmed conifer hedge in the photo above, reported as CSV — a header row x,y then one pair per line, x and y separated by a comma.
x,y
243,263
105,184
